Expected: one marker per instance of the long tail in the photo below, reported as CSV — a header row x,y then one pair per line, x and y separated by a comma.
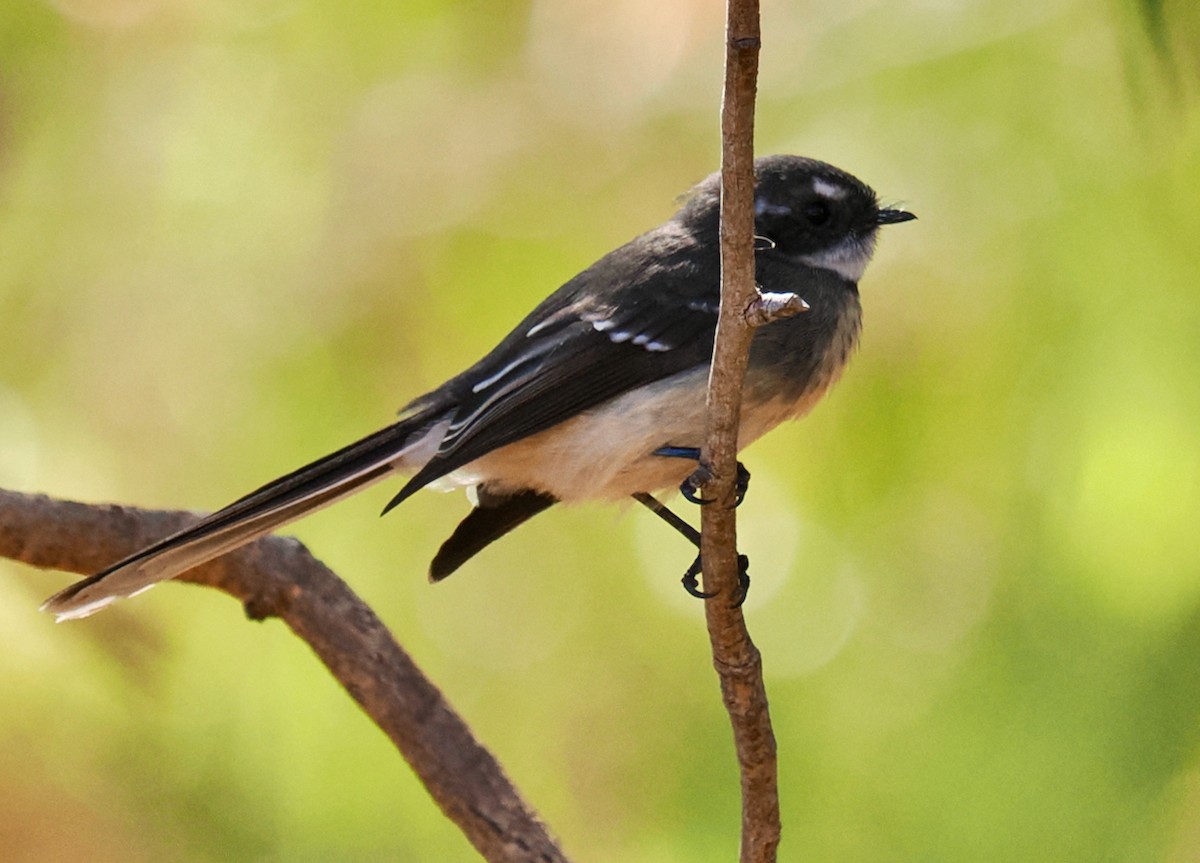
x,y
262,511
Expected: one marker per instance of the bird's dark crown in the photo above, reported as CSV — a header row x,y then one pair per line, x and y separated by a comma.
x,y
806,207
806,210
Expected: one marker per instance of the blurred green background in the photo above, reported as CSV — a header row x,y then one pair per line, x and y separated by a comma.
x,y
236,234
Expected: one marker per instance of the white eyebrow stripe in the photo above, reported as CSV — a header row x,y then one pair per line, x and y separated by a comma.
x,y
828,190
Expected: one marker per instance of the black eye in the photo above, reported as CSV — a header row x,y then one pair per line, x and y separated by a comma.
x,y
817,213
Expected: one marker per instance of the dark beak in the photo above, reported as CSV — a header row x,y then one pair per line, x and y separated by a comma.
x,y
893,217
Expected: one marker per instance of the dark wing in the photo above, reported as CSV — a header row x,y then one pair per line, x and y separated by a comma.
x,y
643,313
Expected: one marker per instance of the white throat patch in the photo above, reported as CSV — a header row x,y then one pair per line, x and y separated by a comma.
x,y
848,259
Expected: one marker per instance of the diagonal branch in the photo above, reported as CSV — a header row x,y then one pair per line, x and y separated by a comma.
x,y
277,577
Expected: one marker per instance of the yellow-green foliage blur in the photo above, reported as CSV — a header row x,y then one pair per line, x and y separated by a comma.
x,y
235,235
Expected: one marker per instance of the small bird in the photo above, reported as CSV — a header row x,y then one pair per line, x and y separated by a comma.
x,y
599,393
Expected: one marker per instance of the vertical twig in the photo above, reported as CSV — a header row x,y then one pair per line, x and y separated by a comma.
x,y
735,657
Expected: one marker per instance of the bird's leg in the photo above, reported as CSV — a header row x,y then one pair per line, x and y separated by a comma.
x,y
690,487
660,509
690,582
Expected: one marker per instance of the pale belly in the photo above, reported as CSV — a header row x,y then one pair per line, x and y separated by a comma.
x,y
608,453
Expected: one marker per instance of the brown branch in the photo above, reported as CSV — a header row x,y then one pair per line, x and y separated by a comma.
x,y
737,660
277,577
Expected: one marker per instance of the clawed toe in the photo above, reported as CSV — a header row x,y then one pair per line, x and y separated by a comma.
x,y
690,582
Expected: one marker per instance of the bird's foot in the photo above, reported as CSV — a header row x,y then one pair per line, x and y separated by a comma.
x,y
692,584
703,474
